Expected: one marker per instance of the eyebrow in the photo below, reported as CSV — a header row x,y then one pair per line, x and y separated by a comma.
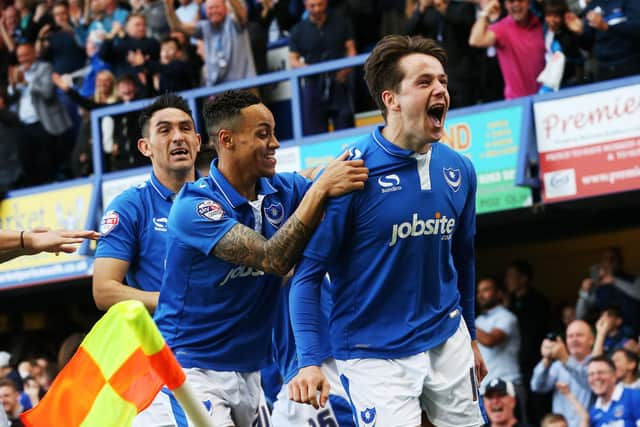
x,y
167,122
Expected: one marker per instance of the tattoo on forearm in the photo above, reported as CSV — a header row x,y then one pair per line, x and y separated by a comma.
x,y
242,245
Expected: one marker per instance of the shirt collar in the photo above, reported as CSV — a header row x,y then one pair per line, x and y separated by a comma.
x,y
617,393
164,192
230,194
391,148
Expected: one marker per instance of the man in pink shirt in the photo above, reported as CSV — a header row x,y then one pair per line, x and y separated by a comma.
x,y
519,42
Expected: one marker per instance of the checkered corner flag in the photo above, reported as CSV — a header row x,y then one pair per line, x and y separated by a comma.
x,y
115,374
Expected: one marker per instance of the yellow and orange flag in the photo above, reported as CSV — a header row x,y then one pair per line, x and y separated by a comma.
x,y
117,371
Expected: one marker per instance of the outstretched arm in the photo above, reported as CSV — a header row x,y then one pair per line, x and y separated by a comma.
x,y
16,243
277,255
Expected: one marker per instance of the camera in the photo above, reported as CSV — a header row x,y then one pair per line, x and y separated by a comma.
x,y
551,336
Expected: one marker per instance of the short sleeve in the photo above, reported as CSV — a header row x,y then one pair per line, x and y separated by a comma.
x,y
120,228
200,222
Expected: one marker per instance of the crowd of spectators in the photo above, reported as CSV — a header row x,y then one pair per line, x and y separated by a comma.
x,y
55,54
586,362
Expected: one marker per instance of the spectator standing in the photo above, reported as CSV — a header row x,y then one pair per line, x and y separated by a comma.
x,y
81,162
43,151
227,47
120,52
519,43
260,15
57,43
558,38
126,131
498,337
93,66
156,17
612,29
323,36
533,312
449,23
609,285
567,365
171,73
107,12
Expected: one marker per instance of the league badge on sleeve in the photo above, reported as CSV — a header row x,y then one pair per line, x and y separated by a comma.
x,y
453,178
210,210
109,222
274,213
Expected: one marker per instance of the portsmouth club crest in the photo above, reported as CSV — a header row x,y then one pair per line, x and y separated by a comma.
x,y
369,416
274,212
453,178
210,210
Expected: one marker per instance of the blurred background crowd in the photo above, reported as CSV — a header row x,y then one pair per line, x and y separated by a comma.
x,y
60,59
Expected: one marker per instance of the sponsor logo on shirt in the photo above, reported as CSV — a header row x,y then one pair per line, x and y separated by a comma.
x,y
241,271
389,183
354,154
274,213
210,210
109,222
369,416
439,225
160,224
453,178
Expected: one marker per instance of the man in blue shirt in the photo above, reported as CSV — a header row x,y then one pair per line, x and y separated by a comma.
x,y
231,235
567,364
400,255
616,406
134,225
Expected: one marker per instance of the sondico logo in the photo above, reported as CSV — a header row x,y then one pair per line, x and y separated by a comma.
x,y
389,183
241,271
418,227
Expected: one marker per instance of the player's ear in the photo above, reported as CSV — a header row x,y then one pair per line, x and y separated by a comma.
x,y
143,147
389,99
225,138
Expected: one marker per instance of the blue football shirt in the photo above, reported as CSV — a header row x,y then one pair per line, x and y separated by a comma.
x,y
400,255
623,410
214,314
134,229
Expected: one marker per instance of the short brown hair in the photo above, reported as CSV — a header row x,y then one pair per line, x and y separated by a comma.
x,y
381,70
552,418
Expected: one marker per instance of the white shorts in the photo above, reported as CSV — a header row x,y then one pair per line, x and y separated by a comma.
x,y
393,392
337,412
230,398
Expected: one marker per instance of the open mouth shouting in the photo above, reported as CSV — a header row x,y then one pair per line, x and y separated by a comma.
x,y
436,114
